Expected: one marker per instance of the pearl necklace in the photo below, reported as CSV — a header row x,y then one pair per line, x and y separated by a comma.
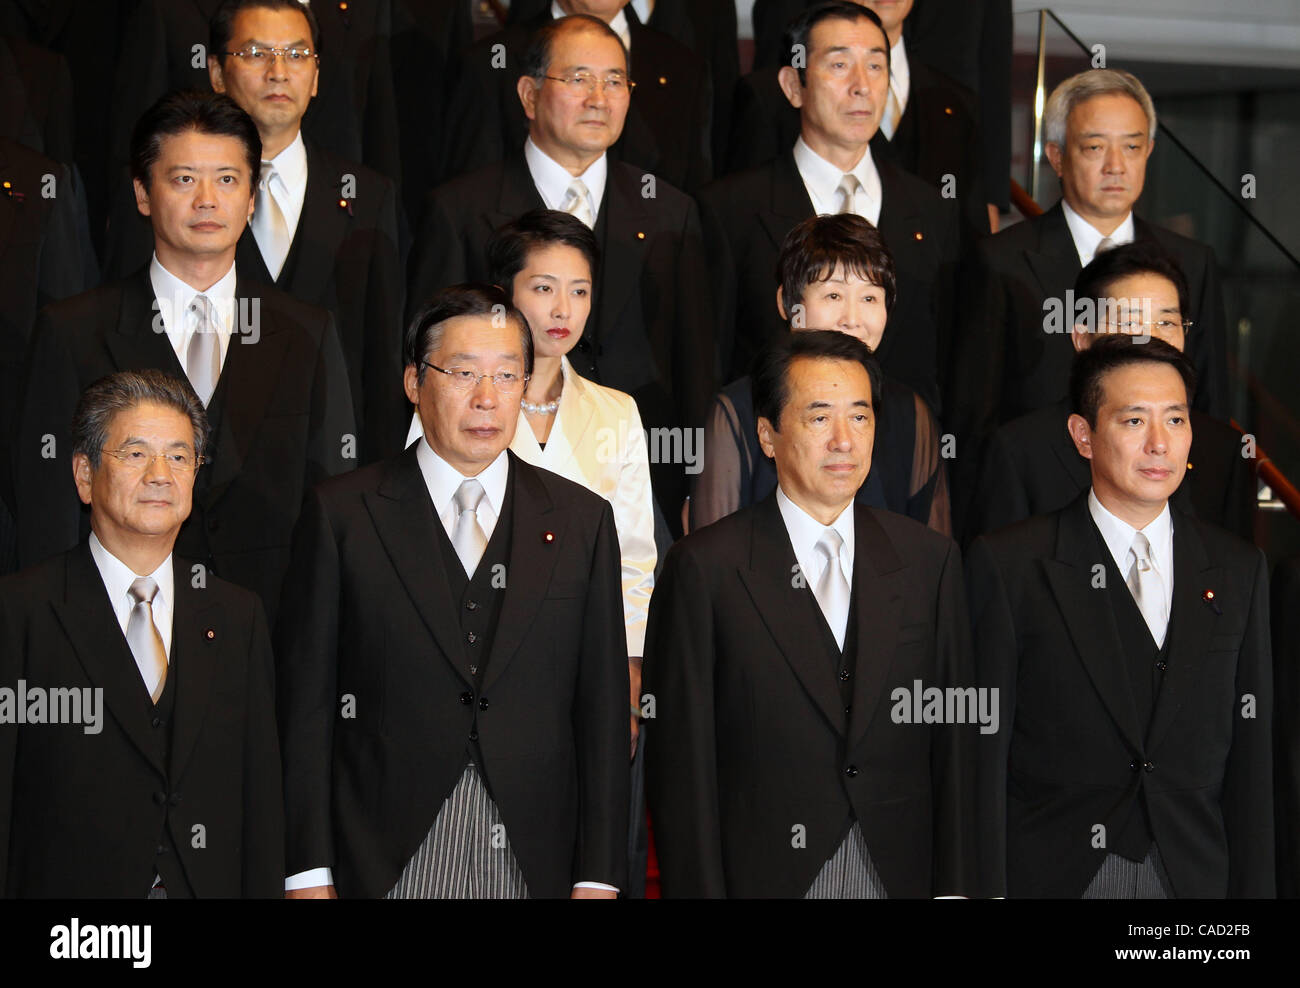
x,y
550,408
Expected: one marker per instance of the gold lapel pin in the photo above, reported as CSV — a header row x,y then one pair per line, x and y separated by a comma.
x,y
211,634
548,537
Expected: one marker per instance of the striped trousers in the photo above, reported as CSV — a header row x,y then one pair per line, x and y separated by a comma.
x,y
849,873
1120,878
466,854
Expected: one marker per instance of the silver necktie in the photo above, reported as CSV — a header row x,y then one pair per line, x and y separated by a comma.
x,y
848,188
469,539
832,590
577,203
203,355
893,112
270,228
1148,589
1105,244
143,637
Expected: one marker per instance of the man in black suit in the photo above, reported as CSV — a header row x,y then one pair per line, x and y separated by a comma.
x,y
1130,645
929,125
778,639
651,333
1286,724
841,95
269,368
145,762
453,690
1013,352
1030,464
324,228
669,119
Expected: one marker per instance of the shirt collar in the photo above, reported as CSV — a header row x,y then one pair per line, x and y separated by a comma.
x,y
443,480
900,73
805,531
118,576
552,179
291,163
822,178
174,296
1086,237
619,24
1118,534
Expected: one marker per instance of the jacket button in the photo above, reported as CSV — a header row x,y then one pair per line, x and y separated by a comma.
x,y
471,638
483,703
160,849
473,735
844,675
848,709
1149,766
174,799
1133,765
160,798
467,698
1162,665
851,771
470,605
155,723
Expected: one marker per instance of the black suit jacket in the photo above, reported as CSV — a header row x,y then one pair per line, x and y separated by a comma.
x,y
354,113
937,135
1005,364
649,333
1071,751
1286,723
668,131
747,216
281,417
1032,468
368,610
81,814
751,735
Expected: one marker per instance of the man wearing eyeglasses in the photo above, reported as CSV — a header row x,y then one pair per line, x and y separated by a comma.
x,y
138,751
269,369
453,677
651,331
1030,464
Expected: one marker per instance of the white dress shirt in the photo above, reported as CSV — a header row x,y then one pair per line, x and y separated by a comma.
x,y
118,577
597,441
442,481
291,165
822,180
173,298
619,24
900,86
1086,237
805,532
552,179
1118,536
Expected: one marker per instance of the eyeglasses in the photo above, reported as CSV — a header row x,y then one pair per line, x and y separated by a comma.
x,y
585,82
258,56
1134,328
139,459
464,380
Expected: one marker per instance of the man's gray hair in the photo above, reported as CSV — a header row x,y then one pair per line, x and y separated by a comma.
x,y
125,390
1086,85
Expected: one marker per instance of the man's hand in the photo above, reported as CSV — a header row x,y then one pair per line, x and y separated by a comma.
x,y
315,892
586,893
634,677
995,214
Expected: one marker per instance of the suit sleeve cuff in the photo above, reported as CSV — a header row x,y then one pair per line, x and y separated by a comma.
x,y
595,885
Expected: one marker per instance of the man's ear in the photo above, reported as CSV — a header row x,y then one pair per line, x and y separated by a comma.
x,y
215,76
1053,151
83,475
141,196
1080,432
765,438
411,383
1080,336
527,88
780,303
788,77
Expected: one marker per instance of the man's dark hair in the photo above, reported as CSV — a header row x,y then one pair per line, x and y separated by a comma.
x,y
537,229
1113,351
771,377
424,335
125,390
797,31
1140,257
222,24
184,110
537,59
814,248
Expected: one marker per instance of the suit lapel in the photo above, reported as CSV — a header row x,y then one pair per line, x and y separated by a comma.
x,y
577,413
878,609
789,203
622,228
402,513
88,620
517,194
789,610
1074,465
322,228
532,561
198,635
901,226
1191,625
1056,262
1089,620
139,340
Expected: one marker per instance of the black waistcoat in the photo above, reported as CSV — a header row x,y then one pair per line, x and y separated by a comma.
x,y
167,862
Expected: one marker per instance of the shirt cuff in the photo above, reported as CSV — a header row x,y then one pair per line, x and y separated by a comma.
x,y
595,885
309,879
